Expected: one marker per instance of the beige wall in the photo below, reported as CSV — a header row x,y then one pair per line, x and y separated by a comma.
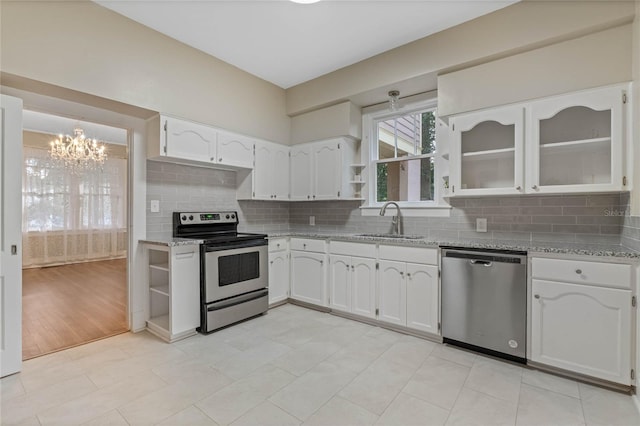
x,y
84,47
635,125
514,29
344,119
594,60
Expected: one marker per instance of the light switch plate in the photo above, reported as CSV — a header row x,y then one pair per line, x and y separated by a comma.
x,y
481,224
155,206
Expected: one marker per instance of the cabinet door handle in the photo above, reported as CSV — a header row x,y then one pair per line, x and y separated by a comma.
x,y
353,268
579,271
278,245
272,262
402,274
304,246
314,197
212,159
308,196
518,188
537,296
535,187
409,275
220,159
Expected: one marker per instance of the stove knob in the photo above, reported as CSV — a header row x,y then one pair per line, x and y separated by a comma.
x,y
227,216
184,217
233,216
191,217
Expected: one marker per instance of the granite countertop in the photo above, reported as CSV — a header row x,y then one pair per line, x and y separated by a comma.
x,y
584,249
173,242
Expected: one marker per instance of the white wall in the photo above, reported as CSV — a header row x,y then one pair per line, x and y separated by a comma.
x,y
82,46
594,60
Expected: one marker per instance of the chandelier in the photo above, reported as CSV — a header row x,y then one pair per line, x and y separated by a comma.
x,y
78,153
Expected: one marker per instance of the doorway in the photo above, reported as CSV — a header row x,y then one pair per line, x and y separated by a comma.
x,y
74,238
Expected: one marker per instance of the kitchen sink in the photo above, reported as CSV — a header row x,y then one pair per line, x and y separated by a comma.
x,y
404,237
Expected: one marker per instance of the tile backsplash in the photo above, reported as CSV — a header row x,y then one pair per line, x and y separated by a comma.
x,y
180,188
589,219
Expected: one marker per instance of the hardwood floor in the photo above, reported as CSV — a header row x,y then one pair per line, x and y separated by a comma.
x,y
65,306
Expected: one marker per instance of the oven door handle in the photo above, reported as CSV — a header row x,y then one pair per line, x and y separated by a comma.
x,y
240,245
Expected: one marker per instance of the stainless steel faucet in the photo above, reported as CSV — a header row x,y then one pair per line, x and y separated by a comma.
x,y
396,222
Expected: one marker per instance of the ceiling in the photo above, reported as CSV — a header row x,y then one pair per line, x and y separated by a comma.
x,y
288,43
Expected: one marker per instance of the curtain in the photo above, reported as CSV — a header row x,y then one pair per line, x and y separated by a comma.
x,y
68,218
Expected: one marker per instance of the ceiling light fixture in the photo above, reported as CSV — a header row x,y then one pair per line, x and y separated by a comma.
x,y
394,97
305,1
78,153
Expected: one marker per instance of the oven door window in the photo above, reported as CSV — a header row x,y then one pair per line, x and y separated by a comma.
x,y
237,268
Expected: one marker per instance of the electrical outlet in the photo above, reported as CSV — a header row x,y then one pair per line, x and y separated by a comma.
x,y
481,224
155,206
312,220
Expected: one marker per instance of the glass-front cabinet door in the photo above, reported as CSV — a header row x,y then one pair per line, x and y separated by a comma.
x,y
487,152
576,142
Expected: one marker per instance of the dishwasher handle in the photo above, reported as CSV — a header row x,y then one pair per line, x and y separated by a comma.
x,y
481,262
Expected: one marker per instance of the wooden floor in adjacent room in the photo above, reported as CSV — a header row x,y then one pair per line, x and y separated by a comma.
x,y
65,306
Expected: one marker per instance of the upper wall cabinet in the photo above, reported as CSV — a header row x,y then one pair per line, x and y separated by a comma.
x,y
269,179
577,142
574,143
487,152
322,170
173,139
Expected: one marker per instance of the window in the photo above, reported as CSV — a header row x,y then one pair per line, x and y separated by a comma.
x,y
403,150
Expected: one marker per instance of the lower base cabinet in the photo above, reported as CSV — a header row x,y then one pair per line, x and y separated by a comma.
x,y
278,277
308,277
582,328
408,295
352,285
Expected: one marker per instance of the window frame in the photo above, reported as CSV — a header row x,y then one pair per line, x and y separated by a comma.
x,y
370,119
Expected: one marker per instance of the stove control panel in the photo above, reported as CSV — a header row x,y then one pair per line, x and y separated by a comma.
x,y
191,218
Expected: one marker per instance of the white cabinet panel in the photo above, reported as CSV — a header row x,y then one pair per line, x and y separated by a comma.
x,y
301,172
308,244
280,172
363,287
278,276
326,170
422,297
189,141
308,277
270,173
392,293
580,328
235,150
409,254
582,272
340,283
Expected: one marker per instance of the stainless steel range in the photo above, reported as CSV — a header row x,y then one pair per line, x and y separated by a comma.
x,y
234,276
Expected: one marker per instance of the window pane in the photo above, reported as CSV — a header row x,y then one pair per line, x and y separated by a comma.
x,y
408,180
387,139
428,133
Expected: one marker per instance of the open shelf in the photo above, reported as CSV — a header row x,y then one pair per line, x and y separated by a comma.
x,y
160,267
162,289
358,182
490,152
159,323
576,142
359,166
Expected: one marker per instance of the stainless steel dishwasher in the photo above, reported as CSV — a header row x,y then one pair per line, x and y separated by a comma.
x,y
484,301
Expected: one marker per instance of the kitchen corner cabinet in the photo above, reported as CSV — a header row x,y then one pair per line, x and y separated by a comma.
x,y
574,143
278,270
322,170
487,148
173,283
408,290
309,271
581,317
352,279
182,141
269,179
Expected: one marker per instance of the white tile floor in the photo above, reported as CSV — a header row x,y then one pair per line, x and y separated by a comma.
x,y
295,366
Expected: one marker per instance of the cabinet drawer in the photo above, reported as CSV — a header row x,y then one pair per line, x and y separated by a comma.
x,y
277,244
582,272
409,254
352,249
303,244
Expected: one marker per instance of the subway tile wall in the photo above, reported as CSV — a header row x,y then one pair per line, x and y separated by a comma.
x,y
180,188
587,219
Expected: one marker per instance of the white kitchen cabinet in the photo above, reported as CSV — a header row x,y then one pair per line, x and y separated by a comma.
x,y
579,325
278,270
173,284
269,179
408,291
487,151
352,285
576,142
322,170
235,150
309,271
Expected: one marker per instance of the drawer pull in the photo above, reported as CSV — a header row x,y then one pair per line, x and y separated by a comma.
x,y
579,271
537,296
